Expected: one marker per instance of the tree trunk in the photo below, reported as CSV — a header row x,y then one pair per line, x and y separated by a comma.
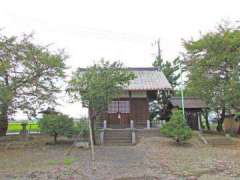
x,y
3,120
206,120
55,138
220,121
92,115
93,119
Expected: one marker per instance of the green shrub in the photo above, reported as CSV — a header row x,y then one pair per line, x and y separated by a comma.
x,y
177,128
81,128
57,124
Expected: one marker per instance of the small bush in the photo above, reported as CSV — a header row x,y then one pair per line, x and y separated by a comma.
x,y
57,124
177,128
81,128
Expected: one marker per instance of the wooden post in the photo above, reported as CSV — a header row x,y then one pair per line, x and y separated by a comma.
x,y
130,104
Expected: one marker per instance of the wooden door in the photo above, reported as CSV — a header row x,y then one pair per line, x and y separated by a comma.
x,y
118,114
139,112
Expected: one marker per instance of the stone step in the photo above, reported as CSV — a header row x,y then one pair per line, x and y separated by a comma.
x,y
117,134
116,131
118,141
120,132
117,137
117,144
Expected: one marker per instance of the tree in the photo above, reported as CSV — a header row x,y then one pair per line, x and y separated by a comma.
x,y
170,70
97,85
160,108
28,76
214,66
56,124
155,109
177,128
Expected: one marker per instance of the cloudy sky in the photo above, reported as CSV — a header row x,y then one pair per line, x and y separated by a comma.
x,y
114,29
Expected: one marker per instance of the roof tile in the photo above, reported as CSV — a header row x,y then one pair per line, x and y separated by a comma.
x,y
148,79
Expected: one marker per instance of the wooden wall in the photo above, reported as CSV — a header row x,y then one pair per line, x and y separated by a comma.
x,y
139,111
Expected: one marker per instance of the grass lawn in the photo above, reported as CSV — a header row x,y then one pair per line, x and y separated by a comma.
x,y
16,127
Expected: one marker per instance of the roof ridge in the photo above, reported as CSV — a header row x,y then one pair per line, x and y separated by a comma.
x,y
132,69
185,97
143,68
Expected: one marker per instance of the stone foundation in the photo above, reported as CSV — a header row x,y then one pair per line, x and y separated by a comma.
x,y
153,132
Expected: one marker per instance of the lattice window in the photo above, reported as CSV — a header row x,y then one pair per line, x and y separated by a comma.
x,y
118,106
113,107
123,106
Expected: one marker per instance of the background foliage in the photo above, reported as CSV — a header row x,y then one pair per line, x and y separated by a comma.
x,y
29,73
213,64
57,124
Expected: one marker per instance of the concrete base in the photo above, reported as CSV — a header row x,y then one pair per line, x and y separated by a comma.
x,y
133,138
102,137
84,145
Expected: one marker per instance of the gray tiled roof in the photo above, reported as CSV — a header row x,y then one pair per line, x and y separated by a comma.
x,y
189,102
148,79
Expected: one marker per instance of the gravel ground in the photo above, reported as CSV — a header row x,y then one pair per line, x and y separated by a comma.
x,y
151,159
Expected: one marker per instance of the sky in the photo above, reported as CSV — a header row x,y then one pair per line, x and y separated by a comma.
x,y
122,30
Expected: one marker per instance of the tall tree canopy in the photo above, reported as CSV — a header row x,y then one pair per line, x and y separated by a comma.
x,y
97,85
214,69
28,76
170,69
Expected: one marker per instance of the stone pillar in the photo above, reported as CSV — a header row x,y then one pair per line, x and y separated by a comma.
x,y
148,124
133,137
105,124
131,124
102,137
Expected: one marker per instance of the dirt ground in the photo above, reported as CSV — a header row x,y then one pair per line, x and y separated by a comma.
x,y
152,159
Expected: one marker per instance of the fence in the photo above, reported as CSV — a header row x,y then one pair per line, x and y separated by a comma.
x,y
132,124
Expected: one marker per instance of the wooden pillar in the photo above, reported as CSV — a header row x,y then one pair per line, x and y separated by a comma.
x,y
130,104
199,121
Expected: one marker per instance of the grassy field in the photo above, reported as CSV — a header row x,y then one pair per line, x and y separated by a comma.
x,y
16,127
